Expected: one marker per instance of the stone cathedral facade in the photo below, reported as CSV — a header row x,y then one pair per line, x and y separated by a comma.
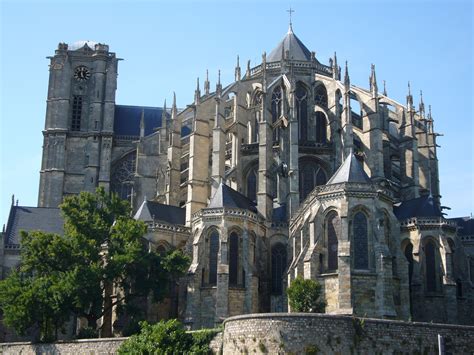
x,y
288,171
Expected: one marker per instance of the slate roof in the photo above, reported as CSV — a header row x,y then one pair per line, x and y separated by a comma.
x,y
297,50
151,210
31,219
349,171
423,206
465,224
228,197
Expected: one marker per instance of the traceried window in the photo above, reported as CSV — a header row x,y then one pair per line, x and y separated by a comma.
x,y
233,259
277,110
302,111
430,266
311,175
122,176
361,247
76,113
333,227
278,267
213,253
321,96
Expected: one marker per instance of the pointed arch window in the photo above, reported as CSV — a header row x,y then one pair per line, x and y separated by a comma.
x,y
123,175
233,259
333,227
278,267
277,111
213,254
301,97
361,247
430,266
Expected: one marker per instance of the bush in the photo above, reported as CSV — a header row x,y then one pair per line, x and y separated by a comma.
x,y
168,337
303,296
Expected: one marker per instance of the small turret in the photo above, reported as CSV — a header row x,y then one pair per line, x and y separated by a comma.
x,y
207,84
373,82
237,70
197,93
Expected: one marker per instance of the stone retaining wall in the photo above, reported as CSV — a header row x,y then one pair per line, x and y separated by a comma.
x,y
300,333
104,346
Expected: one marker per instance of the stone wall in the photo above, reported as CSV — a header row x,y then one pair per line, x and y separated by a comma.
x,y
102,346
299,333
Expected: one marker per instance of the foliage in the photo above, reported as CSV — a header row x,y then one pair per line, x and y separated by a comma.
x,y
74,274
303,296
168,337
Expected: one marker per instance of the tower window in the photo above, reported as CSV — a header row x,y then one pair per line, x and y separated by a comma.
x,y
76,113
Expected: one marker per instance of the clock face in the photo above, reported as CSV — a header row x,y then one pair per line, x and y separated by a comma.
x,y
82,73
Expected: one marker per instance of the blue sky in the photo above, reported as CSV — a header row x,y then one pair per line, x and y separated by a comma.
x,y
167,44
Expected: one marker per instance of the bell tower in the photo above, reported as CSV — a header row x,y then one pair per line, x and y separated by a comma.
x,y
79,121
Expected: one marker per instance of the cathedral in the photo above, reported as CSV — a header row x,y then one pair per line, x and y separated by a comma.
x,y
288,171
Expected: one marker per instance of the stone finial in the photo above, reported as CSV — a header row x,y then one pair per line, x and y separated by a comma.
x,y
384,89
174,109
247,74
197,93
409,98
13,199
373,81
347,80
237,70
142,123
207,84
422,105
218,85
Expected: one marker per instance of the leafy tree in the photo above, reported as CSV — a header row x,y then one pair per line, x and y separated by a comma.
x,y
168,337
102,249
303,296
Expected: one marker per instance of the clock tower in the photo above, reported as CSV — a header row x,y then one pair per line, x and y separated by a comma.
x,y
79,121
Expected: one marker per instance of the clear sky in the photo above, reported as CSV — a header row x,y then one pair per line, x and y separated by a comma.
x,y
167,44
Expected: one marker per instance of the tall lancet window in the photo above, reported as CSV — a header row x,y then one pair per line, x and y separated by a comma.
x,y
76,113
321,128
430,266
302,110
277,110
321,96
252,178
333,227
213,253
361,246
278,267
233,258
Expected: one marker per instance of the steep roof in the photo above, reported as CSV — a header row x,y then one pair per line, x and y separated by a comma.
x,y
349,171
155,211
227,197
423,206
296,49
127,119
28,219
465,224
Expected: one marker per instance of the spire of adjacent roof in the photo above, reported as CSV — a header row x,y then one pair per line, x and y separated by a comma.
x,y
349,171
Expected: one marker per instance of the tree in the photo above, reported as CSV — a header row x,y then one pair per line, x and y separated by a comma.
x,y
303,296
102,251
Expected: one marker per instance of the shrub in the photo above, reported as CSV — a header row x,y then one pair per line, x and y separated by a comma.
x,y
201,340
303,296
165,337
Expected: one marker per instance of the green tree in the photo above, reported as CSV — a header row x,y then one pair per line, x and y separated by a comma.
x,y
304,296
102,248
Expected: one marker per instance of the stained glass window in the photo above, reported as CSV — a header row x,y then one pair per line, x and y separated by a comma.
x,y
361,252
321,129
321,96
233,258
302,111
122,177
278,267
333,230
213,253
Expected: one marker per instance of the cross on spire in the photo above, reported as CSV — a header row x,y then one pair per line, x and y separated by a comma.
x,y
290,11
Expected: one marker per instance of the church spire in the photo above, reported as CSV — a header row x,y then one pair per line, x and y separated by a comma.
x,y
373,81
197,94
207,84
237,70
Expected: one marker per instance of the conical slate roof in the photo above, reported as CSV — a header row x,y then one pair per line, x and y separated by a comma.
x,y
155,211
227,197
349,171
296,49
